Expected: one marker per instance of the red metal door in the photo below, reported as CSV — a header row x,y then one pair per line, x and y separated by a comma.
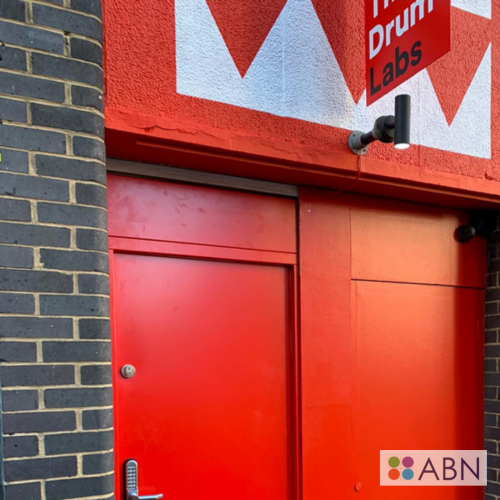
x,y
392,344
209,329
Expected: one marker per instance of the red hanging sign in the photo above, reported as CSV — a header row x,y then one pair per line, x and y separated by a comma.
x,y
402,38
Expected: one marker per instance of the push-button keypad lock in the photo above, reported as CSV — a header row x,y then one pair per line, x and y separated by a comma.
x,y
132,483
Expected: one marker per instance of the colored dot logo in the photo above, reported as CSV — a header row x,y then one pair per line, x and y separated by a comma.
x,y
401,468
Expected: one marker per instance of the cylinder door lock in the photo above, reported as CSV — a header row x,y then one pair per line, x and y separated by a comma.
x,y
128,371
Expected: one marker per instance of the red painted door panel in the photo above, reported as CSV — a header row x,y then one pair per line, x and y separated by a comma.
x,y
392,311
166,211
409,243
419,378
206,415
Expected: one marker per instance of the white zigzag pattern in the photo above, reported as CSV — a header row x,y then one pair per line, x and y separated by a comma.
x,y
296,75
479,7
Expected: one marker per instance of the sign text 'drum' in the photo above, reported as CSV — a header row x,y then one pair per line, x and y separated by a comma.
x,y
402,38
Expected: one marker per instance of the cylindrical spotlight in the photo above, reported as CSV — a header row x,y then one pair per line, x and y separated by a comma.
x,y
402,127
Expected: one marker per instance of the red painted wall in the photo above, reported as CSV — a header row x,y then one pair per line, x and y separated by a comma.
x,y
157,110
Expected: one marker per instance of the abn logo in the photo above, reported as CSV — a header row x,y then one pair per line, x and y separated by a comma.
x,y
401,468
411,468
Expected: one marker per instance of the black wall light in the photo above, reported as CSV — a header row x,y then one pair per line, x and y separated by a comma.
x,y
481,223
387,129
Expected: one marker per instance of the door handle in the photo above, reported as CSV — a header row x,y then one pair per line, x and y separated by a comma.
x,y
132,483
147,497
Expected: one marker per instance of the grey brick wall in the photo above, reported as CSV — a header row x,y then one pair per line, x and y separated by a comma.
x,y
54,289
492,366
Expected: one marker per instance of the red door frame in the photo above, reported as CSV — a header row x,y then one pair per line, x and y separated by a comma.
x,y
208,252
323,392
325,305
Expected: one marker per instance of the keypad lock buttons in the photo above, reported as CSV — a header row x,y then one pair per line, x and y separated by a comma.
x,y
132,483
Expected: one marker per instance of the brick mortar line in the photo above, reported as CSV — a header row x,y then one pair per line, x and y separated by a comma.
x,y
49,294
62,386
83,452
70,201
12,315
62,455
56,155
42,489
86,38
33,210
63,155
39,352
66,45
69,144
58,202
105,295
43,435
37,260
27,340
29,114
34,50
94,453
83,109
53,224
76,272
39,100
40,436
42,176
48,269
29,13
67,272
54,410
67,385
76,329
61,410
49,247
73,241
69,133
31,23
67,95
79,465
41,405
76,364
22,340
55,55
65,9
104,497
29,63
72,192
45,247
79,420
31,175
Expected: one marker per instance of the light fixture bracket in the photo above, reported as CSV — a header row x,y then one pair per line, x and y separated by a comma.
x,y
387,129
355,143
